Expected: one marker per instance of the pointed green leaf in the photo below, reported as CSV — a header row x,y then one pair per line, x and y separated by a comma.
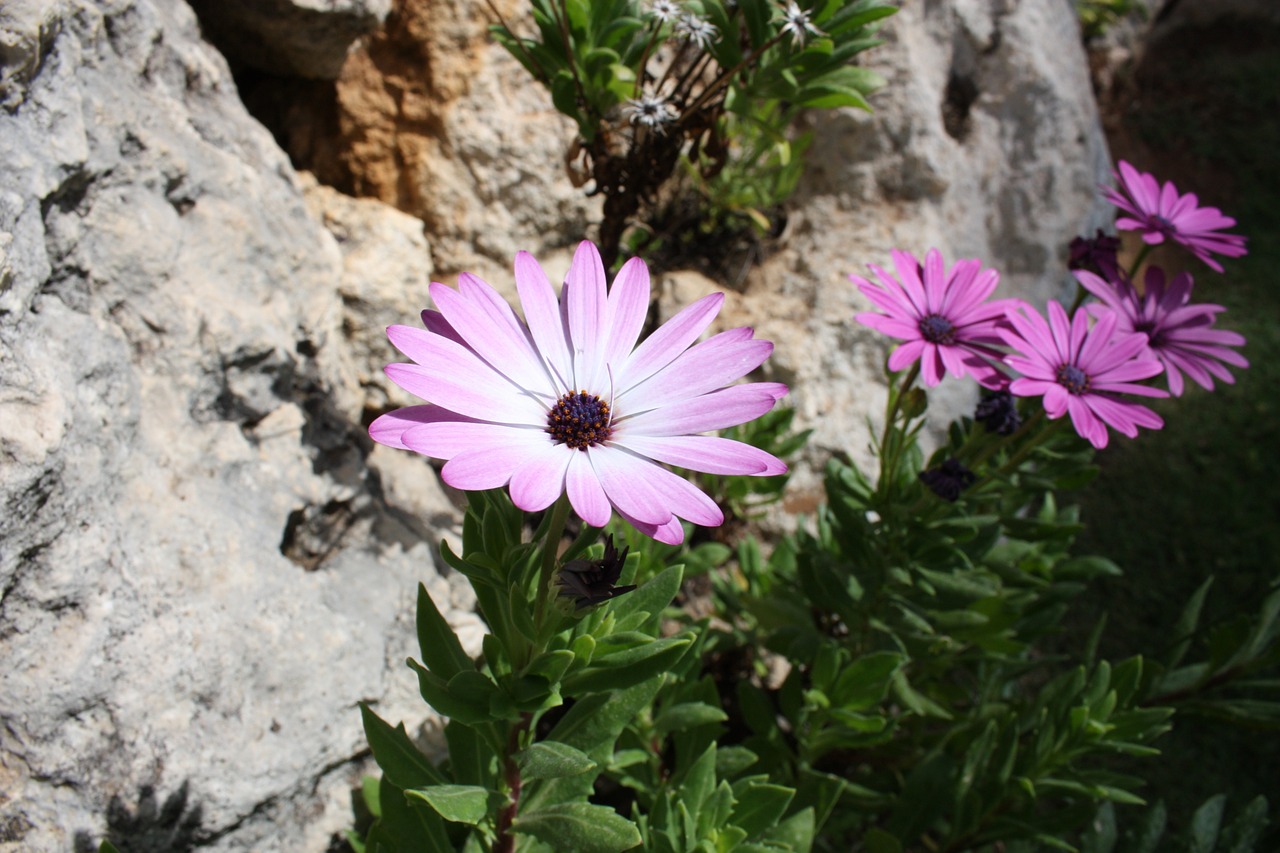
x,y
552,760
441,651
401,761
581,827
467,804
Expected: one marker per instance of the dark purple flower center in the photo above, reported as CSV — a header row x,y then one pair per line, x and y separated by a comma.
x,y
580,420
1073,379
937,329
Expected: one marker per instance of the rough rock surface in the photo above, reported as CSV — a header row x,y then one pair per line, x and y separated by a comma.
x,y
200,553
436,119
200,571
304,38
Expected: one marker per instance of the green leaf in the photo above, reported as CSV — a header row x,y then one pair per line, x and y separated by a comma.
x,y
580,827
652,597
759,805
466,697
1207,820
107,847
627,667
876,840
552,760
687,715
1243,834
469,804
866,681
401,761
404,829
1185,629
441,651
1151,829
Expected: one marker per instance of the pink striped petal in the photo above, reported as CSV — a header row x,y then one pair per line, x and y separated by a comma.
x,y
706,453
628,485
720,409
626,310
584,299
539,481
542,313
668,341
586,495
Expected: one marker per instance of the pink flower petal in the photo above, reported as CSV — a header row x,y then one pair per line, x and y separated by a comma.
x,y
389,429
584,297
706,453
540,480
586,495
542,313
668,341
720,409
626,310
487,333
445,439
703,367
628,484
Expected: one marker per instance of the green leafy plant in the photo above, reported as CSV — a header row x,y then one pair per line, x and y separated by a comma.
x,y
714,85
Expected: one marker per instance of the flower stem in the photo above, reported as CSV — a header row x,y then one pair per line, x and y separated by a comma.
x,y
890,450
550,550
1137,262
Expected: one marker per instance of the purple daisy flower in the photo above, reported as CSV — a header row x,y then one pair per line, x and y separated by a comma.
x,y
942,316
1178,333
564,401
1082,371
1162,212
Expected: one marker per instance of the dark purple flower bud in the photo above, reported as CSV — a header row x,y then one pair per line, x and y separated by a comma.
x,y
948,480
590,582
998,413
1097,255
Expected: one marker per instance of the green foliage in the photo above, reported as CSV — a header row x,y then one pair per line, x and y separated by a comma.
x,y
1097,16
646,96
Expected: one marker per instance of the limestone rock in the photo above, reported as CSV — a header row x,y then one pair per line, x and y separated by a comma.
x,y
200,576
303,38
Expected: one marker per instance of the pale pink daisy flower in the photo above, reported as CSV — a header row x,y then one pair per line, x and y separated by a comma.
x,y
942,316
1161,212
1179,334
566,402
1082,371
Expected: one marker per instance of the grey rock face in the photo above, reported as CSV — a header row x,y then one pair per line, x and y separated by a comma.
x,y
200,574
302,38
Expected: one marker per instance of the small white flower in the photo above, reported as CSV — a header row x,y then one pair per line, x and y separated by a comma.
x,y
697,30
796,23
652,111
665,11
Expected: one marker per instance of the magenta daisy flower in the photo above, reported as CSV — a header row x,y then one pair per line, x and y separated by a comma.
x,y
1082,371
942,316
1162,212
1179,334
565,401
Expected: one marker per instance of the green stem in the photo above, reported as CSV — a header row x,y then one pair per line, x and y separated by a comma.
x,y
890,451
550,550
1137,262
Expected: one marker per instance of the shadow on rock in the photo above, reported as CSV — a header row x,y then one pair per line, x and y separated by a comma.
x,y
152,827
